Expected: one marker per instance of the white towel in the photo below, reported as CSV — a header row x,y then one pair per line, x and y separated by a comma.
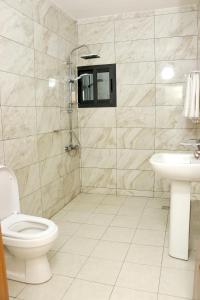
x,y
191,107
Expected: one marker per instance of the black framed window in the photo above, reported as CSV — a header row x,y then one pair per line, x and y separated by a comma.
x,y
98,87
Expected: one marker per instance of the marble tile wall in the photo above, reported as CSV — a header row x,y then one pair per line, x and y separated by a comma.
x,y
118,142
36,38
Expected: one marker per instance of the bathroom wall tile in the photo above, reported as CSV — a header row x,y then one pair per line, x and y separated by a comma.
x,y
133,159
97,117
94,177
179,69
106,51
15,26
170,94
135,138
52,194
64,49
25,6
32,204
98,137
45,94
28,179
171,117
176,24
99,158
45,40
1,152
49,144
136,117
176,9
170,139
45,66
16,58
71,185
51,169
176,48
134,29
135,180
136,95
48,119
70,163
134,51
18,121
161,184
102,32
46,13
67,27
20,152
136,73
16,90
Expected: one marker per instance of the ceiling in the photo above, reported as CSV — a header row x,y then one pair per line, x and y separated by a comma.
x,y
80,9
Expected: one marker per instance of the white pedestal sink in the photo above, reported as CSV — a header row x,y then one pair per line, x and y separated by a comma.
x,y
181,169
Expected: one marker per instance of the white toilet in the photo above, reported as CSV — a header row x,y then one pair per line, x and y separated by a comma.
x,y
27,239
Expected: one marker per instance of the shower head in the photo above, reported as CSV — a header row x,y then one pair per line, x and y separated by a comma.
x,y
90,56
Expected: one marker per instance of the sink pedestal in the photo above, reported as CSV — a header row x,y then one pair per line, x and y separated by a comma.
x,y
179,219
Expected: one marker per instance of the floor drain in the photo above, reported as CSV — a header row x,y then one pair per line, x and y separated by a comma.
x,y
165,207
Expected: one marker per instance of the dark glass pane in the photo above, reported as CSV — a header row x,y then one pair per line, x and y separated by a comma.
x,y
103,86
87,88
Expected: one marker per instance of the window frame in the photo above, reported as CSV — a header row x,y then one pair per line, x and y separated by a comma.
x,y
94,69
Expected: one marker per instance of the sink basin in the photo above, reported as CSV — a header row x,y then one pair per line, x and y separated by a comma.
x,y
176,166
181,169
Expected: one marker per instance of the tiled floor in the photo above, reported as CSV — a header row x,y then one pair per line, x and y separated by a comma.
x,y
112,248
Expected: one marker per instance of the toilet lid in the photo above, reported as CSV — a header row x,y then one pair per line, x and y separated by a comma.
x,y
9,194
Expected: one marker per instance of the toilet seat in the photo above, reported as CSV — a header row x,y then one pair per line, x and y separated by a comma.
x,y
23,230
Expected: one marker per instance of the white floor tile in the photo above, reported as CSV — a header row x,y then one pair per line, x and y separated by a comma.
x,y
113,200
110,250
91,231
67,228
67,264
119,234
125,221
149,237
89,198
139,277
147,255
87,291
78,245
131,211
136,201
157,203
78,217
156,222
129,294
15,288
100,219
178,283
171,262
51,290
60,241
100,270
107,209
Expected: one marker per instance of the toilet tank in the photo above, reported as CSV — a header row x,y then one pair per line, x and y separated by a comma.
x,y
9,193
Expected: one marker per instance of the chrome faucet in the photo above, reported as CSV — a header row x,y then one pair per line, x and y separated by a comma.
x,y
194,143
197,151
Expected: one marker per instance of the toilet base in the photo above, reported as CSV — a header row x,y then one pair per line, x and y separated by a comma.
x,y
34,271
